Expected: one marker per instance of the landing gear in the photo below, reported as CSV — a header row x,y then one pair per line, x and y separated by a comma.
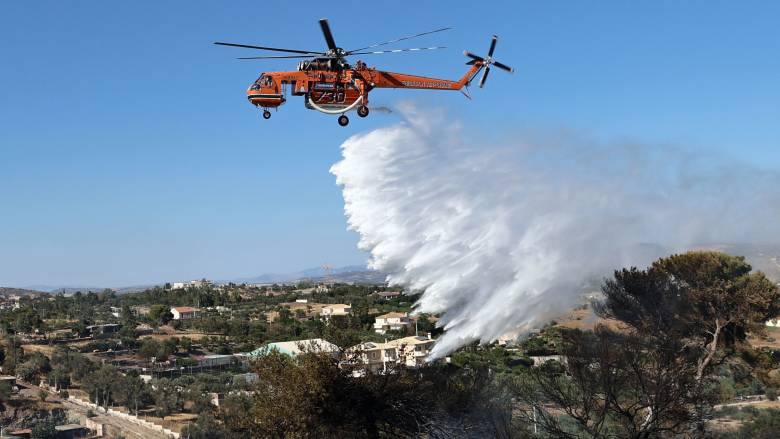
x,y
362,111
343,120
266,114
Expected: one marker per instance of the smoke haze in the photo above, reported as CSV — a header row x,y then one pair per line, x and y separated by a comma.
x,y
502,235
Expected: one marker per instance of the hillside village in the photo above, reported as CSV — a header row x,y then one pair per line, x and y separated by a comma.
x,y
176,360
198,329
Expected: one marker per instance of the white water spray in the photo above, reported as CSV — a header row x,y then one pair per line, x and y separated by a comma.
x,y
502,237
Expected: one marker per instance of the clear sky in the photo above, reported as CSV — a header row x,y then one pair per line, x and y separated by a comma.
x,y
129,154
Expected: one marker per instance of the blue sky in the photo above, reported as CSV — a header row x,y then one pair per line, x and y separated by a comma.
x,y
128,152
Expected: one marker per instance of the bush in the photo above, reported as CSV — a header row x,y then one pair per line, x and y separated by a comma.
x,y
765,425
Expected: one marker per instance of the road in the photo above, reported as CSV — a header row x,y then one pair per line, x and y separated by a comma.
x,y
128,429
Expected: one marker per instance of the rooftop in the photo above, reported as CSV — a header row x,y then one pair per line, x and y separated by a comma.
x,y
338,305
413,340
392,315
293,348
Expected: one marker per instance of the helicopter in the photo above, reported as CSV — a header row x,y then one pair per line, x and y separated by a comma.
x,y
331,85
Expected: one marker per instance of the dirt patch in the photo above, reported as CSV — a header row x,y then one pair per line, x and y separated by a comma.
x,y
163,337
724,425
181,417
770,340
45,349
578,319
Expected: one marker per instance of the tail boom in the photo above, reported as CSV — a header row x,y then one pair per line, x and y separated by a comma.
x,y
403,80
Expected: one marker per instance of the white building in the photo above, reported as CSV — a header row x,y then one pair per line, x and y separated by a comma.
x,y
392,321
184,312
377,357
297,347
773,323
413,351
191,284
338,309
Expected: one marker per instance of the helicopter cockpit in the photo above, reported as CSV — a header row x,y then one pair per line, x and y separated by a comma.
x,y
262,82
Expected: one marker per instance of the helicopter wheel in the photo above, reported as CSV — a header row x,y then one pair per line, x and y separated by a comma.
x,y
362,111
343,120
266,114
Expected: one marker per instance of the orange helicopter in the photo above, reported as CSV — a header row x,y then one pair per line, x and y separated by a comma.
x,y
331,85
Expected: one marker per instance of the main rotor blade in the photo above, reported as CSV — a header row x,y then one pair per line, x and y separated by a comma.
x,y
492,45
327,33
275,49
416,49
484,77
399,39
277,57
503,66
472,56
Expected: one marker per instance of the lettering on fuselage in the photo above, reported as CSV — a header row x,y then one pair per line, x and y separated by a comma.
x,y
330,97
423,84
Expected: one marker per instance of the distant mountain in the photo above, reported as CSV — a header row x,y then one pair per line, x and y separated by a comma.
x,y
5,291
348,274
63,289
763,257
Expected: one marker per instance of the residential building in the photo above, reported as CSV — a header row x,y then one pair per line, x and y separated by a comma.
x,y
414,350
337,309
99,330
773,323
392,321
192,284
184,312
377,357
140,310
387,295
303,310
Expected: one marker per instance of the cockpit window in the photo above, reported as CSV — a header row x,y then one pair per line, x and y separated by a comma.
x,y
263,81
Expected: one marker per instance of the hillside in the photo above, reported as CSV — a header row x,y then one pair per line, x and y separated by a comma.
x,y
7,291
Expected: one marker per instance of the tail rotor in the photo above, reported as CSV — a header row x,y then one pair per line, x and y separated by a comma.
x,y
487,62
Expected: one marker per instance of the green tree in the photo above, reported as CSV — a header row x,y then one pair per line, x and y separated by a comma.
x,y
5,392
33,366
133,392
150,348
102,384
43,429
167,398
206,427
186,344
315,395
708,298
160,314
59,377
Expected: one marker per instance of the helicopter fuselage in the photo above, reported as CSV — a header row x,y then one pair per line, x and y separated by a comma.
x,y
337,88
